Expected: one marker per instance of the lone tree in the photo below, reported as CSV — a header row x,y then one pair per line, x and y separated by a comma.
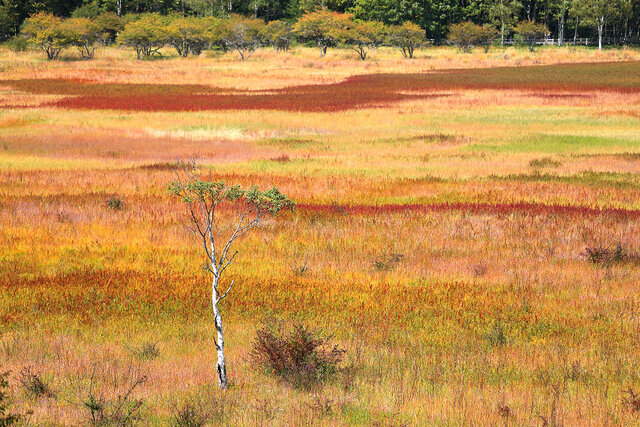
x,y
86,34
530,32
47,32
363,36
147,35
205,201
407,38
244,36
323,27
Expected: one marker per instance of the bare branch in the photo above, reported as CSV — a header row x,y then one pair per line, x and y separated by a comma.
x,y
225,294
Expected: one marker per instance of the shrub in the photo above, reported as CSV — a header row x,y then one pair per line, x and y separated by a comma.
x,y
17,44
607,256
544,162
147,351
632,400
6,418
33,383
123,411
190,414
300,356
115,203
387,262
496,336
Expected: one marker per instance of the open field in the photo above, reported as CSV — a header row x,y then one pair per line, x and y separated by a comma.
x,y
447,207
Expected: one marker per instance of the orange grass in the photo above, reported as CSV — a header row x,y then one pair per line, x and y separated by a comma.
x,y
442,241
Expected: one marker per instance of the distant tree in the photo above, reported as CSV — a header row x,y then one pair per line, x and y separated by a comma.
x,y
599,13
47,32
391,12
209,8
364,36
206,201
110,25
278,34
147,35
88,10
530,32
504,13
87,35
559,11
468,35
218,31
323,27
188,35
244,36
406,37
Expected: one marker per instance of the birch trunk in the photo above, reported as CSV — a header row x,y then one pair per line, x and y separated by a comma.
x,y
561,30
221,365
600,31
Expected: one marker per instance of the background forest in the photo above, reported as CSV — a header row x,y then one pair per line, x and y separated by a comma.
x,y
618,19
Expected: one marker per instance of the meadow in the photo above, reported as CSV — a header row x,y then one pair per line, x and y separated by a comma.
x,y
466,229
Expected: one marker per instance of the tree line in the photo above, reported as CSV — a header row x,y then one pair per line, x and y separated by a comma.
x,y
616,21
149,32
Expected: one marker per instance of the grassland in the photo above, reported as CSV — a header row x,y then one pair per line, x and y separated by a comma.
x,y
447,207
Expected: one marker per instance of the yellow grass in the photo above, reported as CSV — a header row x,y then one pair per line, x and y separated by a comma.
x,y
484,310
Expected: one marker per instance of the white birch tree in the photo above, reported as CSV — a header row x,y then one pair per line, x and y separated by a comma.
x,y
206,201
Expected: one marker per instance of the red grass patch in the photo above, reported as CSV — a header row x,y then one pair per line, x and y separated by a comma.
x,y
355,92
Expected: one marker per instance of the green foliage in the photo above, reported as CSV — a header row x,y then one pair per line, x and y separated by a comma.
x,y
18,44
110,25
147,35
278,34
530,32
503,14
323,27
391,12
213,193
362,36
188,35
88,10
86,35
48,33
244,35
115,203
468,35
406,37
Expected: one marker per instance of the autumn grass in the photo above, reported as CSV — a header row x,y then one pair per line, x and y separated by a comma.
x,y
441,241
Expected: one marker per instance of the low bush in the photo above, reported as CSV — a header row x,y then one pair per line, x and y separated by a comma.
x,y
6,418
33,383
115,203
190,414
124,410
146,351
387,262
607,256
300,356
17,44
